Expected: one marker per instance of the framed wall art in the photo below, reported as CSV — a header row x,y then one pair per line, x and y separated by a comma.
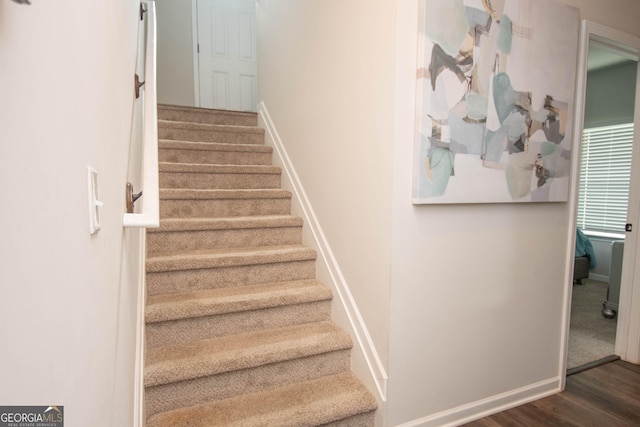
x,y
495,89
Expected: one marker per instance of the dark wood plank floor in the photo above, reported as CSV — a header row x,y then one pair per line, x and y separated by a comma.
x,y
608,395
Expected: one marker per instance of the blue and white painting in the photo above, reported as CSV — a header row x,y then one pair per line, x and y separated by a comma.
x,y
495,90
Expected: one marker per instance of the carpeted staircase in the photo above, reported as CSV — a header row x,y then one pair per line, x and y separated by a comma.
x,y
238,331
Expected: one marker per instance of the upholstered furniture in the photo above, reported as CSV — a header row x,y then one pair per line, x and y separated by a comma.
x,y
580,269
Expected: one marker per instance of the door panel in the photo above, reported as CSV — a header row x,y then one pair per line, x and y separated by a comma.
x,y
227,54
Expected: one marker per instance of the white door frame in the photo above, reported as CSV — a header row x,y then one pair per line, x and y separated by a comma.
x,y
628,332
196,63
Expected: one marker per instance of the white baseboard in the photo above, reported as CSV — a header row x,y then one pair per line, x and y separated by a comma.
x,y
485,407
364,351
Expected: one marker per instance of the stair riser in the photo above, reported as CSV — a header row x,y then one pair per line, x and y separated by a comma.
x,y
219,181
185,330
211,278
212,157
192,392
179,241
368,419
216,208
208,117
209,135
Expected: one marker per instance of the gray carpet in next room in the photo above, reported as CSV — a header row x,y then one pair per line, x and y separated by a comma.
x,y
591,336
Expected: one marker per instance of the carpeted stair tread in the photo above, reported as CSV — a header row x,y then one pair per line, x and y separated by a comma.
x,y
204,390
235,352
221,176
210,127
202,132
201,224
217,169
177,235
201,115
179,203
161,308
214,153
190,203
310,403
202,194
213,146
239,331
212,258
176,281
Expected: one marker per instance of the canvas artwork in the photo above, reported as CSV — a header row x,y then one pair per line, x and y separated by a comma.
x,y
494,101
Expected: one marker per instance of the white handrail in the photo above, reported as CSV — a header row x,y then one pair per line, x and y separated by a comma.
x,y
150,215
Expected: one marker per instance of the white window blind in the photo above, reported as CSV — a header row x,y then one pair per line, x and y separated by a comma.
x,y
604,178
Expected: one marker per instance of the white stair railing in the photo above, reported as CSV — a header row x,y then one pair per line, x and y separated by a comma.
x,y
149,217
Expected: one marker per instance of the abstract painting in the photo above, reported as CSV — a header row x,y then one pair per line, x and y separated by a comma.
x,y
494,101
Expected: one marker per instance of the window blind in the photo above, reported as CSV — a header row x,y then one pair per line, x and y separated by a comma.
x,y
604,178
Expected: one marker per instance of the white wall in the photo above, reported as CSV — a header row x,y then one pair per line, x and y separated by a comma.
x,y
175,52
66,329
477,290
326,76
471,296
610,99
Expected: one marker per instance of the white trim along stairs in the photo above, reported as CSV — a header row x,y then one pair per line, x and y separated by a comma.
x,y
238,330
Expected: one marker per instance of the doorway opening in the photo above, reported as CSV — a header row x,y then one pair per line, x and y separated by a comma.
x,y
207,54
607,93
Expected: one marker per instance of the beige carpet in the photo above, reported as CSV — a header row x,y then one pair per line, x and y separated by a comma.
x,y
238,331
591,336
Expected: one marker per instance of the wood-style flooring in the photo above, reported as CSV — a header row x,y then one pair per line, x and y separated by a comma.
x,y
608,395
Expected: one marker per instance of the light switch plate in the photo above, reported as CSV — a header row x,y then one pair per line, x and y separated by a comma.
x,y
94,203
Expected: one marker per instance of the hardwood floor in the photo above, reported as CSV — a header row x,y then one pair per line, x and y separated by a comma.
x,y
608,395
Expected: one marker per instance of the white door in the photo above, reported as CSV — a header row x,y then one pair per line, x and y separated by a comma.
x,y
227,70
